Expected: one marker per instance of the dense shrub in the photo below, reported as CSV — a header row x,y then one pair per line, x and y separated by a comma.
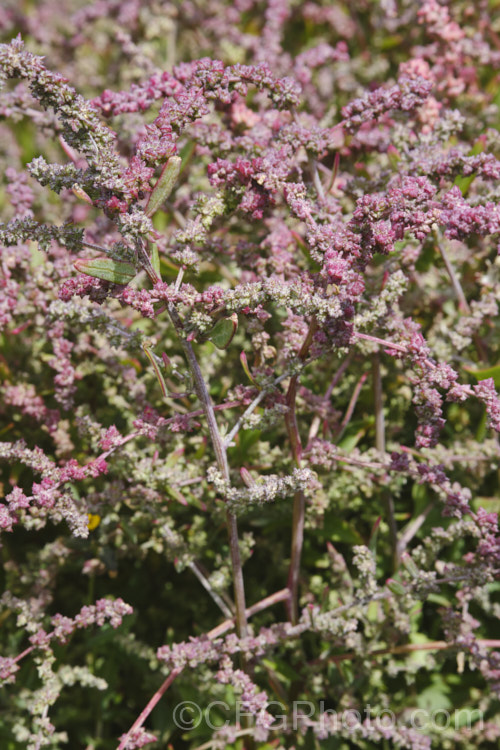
x,y
249,358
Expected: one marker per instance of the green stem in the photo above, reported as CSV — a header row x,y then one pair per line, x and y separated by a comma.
x,y
463,305
299,502
221,458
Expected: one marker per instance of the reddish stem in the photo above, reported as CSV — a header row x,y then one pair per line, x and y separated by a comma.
x,y
278,596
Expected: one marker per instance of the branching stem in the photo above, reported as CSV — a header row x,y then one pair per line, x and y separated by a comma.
x,y
224,627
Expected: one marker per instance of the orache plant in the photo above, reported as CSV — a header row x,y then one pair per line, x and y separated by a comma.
x,y
250,341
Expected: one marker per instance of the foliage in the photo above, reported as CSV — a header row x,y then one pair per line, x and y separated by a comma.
x,y
249,359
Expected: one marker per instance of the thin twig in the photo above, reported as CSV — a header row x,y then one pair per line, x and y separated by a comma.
x,y
378,400
209,588
351,406
317,181
455,281
412,529
463,305
251,408
378,404
179,278
410,648
221,457
382,342
91,246
359,462
313,430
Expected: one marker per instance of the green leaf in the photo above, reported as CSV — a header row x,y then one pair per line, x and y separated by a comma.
x,y
487,372
155,260
410,565
491,504
223,331
186,153
146,345
439,599
420,496
164,186
339,530
482,427
352,436
435,696
246,368
304,248
389,42
464,183
282,668
117,271
396,587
